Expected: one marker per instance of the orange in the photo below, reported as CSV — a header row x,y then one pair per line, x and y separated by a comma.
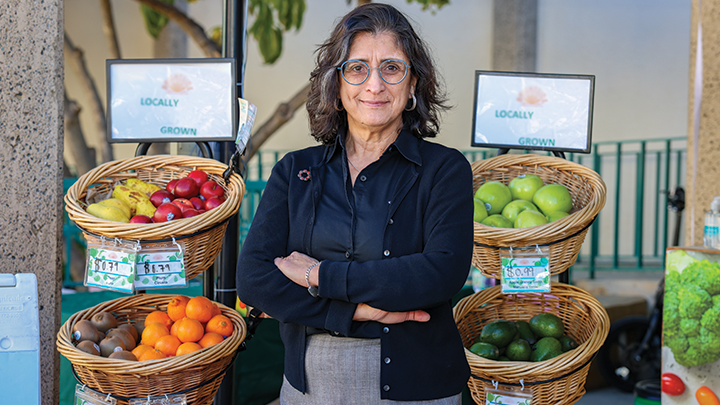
x,y
168,345
160,317
221,325
140,349
153,354
174,328
189,330
216,310
152,333
176,307
209,339
199,308
187,347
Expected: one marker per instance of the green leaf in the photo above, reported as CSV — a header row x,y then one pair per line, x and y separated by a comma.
x,y
182,273
123,282
175,278
145,280
129,279
132,257
154,21
97,278
154,278
124,260
93,252
298,13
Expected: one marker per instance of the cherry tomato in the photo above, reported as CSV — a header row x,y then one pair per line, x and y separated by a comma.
x,y
672,384
705,396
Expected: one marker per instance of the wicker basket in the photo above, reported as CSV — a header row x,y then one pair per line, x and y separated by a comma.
x,y
199,373
560,380
201,235
563,236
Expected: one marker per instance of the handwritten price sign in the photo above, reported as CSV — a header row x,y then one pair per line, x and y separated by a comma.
x,y
111,268
160,269
525,274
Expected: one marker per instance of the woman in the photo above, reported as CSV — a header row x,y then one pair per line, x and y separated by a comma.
x,y
358,245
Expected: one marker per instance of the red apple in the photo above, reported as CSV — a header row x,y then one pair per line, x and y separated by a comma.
x,y
160,197
183,204
202,211
171,185
141,219
190,212
167,212
199,176
211,189
213,202
197,203
186,188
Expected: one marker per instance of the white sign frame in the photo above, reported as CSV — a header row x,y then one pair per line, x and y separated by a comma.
x,y
505,104
171,100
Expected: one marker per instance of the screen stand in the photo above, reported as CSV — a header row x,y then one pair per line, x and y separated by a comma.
x,y
143,148
560,154
502,151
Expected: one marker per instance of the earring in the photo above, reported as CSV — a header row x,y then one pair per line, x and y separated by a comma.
x,y
414,104
336,105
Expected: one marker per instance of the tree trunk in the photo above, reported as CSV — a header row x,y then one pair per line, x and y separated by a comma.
x,y
109,29
83,155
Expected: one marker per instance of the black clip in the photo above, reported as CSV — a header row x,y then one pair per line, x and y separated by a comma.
x,y
233,166
253,322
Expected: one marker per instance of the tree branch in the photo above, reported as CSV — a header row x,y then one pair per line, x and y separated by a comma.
x,y
188,25
109,29
77,59
83,156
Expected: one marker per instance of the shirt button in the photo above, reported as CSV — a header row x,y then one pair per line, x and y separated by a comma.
x,y
387,360
347,255
363,178
391,221
386,388
386,253
386,330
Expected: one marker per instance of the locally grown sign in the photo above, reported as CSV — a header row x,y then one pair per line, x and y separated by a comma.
x,y
171,100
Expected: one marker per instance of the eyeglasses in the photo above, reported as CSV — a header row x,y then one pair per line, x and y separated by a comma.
x,y
392,71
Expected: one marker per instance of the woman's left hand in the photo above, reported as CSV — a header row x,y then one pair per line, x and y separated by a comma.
x,y
295,266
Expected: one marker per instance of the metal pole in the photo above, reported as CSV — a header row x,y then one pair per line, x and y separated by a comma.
x,y
234,17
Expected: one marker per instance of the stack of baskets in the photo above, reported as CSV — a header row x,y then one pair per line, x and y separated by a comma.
x,y
198,375
202,235
560,380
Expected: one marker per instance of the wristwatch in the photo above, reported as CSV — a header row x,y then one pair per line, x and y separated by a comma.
x,y
311,289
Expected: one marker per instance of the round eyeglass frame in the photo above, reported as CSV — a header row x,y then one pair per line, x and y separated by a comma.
x,y
340,68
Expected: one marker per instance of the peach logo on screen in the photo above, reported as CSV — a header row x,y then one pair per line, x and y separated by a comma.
x,y
532,96
177,84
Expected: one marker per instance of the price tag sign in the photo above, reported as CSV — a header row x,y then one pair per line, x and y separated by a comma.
x,y
180,399
525,270
495,397
111,265
160,267
86,396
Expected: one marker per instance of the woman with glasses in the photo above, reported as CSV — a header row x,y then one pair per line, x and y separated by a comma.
x,y
359,244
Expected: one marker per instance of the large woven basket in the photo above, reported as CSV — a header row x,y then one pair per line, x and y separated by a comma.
x,y
560,380
201,235
199,373
563,236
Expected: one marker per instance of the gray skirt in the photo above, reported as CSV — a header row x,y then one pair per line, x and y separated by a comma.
x,y
344,371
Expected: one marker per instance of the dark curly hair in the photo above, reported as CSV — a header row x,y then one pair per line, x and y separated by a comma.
x,y
373,18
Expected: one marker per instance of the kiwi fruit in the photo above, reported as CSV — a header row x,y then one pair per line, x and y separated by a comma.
x,y
111,344
101,336
128,327
125,336
85,330
104,321
139,326
123,355
89,347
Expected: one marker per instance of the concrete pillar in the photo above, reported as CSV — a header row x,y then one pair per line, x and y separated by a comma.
x,y
31,144
514,35
703,178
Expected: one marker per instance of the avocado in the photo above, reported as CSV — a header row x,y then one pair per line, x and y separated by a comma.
x,y
503,358
485,350
498,333
545,349
519,350
525,332
547,325
567,343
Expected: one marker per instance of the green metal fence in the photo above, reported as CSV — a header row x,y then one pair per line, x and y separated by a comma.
x,y
632,231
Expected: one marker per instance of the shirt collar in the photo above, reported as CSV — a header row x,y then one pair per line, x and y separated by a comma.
x,y
407,144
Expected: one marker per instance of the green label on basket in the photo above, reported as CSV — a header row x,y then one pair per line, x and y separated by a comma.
x,y
86,396
160,266
507,395
180,399
525,269
111,265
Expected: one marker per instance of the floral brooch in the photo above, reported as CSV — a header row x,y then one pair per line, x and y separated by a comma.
x,y
304,175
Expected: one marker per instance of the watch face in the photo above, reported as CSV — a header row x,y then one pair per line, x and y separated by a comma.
x,y
313,291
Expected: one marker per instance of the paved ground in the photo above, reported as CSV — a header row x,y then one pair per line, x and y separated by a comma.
x,y
606,396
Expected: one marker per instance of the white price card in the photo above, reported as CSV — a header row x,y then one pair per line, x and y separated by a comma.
x,y
86,396
111,265
507,395
179,399
162,266
525,270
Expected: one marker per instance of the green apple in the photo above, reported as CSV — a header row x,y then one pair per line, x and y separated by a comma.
x,y
515,207
530,218
497,221
556,215
524,186
553,198
480,210
496,194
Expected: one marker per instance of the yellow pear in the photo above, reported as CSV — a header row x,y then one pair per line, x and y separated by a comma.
x,y
107,212
130,197
144,187
114,202
145,207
